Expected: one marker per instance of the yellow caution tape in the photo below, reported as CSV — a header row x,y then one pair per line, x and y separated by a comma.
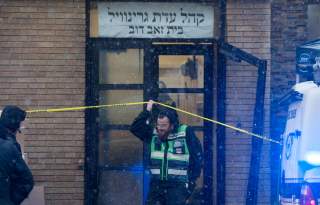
x,y
168,106
84,107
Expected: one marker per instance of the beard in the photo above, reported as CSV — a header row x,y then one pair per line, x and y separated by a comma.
x,y
163,135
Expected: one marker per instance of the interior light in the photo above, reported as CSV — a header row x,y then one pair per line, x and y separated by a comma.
x,y
313,157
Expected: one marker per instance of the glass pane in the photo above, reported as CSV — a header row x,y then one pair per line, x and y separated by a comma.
x,y
199,135
120,187
189,102
119,114
313,21
197,195
119,148
181,71
121,66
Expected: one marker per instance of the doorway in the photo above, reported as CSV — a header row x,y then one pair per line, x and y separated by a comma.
x,y
134,71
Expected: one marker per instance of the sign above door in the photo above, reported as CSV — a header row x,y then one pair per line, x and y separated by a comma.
x,y
155,20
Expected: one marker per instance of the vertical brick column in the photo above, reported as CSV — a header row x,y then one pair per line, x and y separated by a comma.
x,y
248,28
42,65
289,20
289,29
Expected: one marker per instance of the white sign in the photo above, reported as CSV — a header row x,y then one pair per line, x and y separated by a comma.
x,y
155,20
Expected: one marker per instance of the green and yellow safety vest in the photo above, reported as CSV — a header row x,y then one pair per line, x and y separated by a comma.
x,y
170,159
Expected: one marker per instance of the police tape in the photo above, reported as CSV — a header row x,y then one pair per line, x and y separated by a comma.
x,y
85,107
165,105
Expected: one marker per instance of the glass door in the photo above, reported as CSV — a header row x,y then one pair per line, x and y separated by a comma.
x,y
120,154
135,72
184,74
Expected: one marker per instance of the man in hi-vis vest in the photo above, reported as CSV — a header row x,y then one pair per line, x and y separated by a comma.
x,y
175,156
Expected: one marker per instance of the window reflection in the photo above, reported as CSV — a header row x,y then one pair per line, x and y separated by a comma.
x,y
313,21
121,114
123,188
189,102
181,71
121,66
119,148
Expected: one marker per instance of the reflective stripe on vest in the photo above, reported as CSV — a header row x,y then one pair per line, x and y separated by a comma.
x,y
155,171
170,156
170,171
177,172
170,163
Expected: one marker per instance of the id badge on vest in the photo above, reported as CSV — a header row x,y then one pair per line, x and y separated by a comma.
x,y
178,147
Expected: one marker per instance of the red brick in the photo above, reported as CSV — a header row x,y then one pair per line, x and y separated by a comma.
x,y
42,65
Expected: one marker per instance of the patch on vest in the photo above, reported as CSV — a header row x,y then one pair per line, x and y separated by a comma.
x,y
178,147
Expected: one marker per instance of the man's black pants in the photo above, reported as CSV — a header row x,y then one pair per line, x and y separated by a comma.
x,y
167,193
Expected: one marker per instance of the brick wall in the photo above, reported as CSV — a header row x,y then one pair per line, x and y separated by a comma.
x,y
248,28
42,65
289,20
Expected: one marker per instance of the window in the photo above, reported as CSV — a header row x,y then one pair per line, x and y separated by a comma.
x,y
313,24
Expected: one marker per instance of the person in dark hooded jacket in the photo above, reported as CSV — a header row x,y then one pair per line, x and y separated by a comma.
x,y
16,181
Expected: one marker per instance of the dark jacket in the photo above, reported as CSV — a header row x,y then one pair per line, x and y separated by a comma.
x,y
16,181
142,128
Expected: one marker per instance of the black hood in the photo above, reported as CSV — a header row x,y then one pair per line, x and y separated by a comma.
x,y
11,117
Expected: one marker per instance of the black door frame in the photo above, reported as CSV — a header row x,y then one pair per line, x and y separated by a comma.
x,y
92,89
92,168
223,50
208,52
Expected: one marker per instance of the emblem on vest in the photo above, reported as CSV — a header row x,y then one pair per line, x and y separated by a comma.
x,y
178,147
